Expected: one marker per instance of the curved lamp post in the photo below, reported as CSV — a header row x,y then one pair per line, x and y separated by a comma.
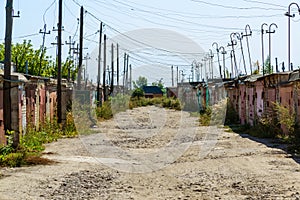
x,y
232,44
217,50
288,14
223,52
194,68
262,46
205,70
232,61
270,31
211,56
238,36
248,33
200,65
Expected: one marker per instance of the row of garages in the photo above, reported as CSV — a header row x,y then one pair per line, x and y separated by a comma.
x,y
33,101
252,97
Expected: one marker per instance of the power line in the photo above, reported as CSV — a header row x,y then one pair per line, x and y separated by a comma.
x,y
236,8
47,10
26,36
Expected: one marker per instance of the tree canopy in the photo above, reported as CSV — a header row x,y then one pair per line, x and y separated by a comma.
x,y
39,64
140,82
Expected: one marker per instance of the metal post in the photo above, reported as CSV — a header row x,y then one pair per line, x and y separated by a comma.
x,y
247,40
232,44
211,55
232,63
238,36
223,52
217,50
262,47
271,32
289,30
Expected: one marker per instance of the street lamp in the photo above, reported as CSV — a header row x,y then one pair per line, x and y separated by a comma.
x,y
248,34
232,62
232,44
223,52
288,14
262,46
217,50
205,71
238,36
270,31
211,56
194,65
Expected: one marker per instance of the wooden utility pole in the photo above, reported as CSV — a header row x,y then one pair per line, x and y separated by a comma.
x,y
104,70
177,76
130,76
7,71
118,65
59,51
172,71
127,61
124,76
44,32
112,69
80,50
71,46
99,102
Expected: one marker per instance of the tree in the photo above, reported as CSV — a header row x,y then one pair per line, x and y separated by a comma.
x,y
138,92
256,67
39,64
267,68
160,84
140,82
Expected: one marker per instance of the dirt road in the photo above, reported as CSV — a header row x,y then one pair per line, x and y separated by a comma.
x,y
153,153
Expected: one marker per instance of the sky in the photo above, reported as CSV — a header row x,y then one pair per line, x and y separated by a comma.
x,y
158,34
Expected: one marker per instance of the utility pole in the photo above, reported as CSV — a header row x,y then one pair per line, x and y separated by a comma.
x,y
112,69
80,50
118,63
99,68
59,97
44,32
7,71
177,76
124,77
71,45
127,71
104,70
130,77
75,52
86,58
172,76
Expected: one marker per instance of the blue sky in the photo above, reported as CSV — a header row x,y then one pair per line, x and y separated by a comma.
x,y
203,22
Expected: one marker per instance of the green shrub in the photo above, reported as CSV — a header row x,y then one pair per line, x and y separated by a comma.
x,y
137,93
12,159
105,111
32,142
205,117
